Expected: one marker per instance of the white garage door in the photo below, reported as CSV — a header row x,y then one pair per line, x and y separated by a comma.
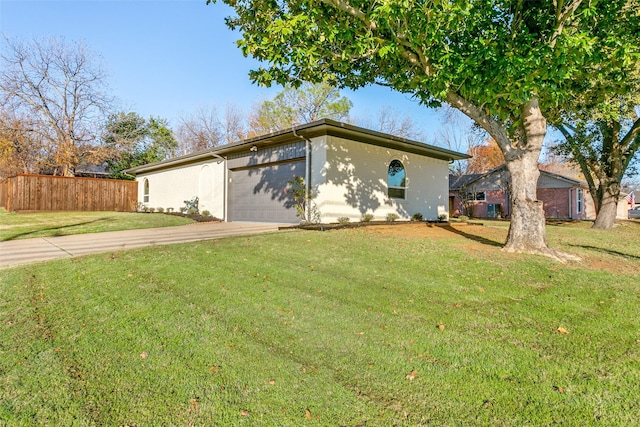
x,y
257,194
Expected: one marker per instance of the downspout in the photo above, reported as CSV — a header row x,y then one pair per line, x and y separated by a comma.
x,y
224,186
307,171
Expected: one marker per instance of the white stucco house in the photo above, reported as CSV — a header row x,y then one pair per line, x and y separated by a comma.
x,y
348,170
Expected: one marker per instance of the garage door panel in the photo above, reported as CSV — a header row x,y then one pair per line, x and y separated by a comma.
x,y
257,194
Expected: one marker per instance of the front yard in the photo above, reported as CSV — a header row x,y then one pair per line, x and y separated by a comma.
x,y
378,326
25,226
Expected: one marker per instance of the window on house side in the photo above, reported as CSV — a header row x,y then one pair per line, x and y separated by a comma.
x,y
145,198
396,180
580,201
480,196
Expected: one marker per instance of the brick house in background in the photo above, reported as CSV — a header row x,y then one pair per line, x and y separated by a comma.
x,y
487,195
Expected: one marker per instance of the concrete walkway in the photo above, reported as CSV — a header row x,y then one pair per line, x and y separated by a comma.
x,y
15,252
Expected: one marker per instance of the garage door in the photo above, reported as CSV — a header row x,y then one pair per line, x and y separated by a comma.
x,y
257,194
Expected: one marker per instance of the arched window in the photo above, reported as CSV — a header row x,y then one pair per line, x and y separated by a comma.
x,y
396,180
146,191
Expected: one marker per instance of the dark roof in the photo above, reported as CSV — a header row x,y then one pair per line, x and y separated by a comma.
x,y
457,182
310,130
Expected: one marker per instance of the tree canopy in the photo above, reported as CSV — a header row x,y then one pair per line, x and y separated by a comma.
x,y
604,148
133,141
299,105
60,89
508,65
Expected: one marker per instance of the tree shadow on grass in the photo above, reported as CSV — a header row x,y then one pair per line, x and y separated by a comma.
x,y
473,237
59,228
607,251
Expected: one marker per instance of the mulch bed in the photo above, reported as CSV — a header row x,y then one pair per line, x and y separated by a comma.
x,y
337,226
195,217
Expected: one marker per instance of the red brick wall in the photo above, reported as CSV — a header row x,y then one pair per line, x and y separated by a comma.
x,y
556,202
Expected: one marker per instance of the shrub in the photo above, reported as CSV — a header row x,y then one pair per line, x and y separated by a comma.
x,y
306,209
169,210
366,217
344,220
152,210
206,213
140,207
191,206
161,210
443,217
463,218
392,217
416,217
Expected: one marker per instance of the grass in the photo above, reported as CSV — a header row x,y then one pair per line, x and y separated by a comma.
x,y
24,226
347,327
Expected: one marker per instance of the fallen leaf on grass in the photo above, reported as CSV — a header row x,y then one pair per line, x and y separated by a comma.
x,y
441,327
272,382
307,414
562,330
244,413
411,375
144,355
194,403
558,389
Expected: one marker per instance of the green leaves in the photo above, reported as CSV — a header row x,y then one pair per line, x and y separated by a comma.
x,y
494,54
135,141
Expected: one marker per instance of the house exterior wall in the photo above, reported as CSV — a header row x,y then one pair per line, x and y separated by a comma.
x,y
349,179
623,209
557,203
169,188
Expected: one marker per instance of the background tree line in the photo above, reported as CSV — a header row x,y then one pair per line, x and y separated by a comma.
x,y
57,117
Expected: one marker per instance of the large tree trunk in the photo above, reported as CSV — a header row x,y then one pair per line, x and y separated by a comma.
x,y
607,207
527,232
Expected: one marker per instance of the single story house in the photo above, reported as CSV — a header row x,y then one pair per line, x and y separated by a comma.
x,y
487,195
349,172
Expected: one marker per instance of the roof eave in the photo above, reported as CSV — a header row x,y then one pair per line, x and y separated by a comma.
x,y
306,131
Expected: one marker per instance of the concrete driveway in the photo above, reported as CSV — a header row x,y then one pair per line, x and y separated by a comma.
x,y
15,252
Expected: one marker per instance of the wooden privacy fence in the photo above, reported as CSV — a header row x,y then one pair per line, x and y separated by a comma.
x,y
57,193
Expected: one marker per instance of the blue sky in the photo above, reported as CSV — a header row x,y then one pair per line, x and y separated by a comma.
x,y
167,58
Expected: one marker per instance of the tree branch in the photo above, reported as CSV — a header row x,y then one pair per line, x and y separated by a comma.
x,y
486,121
351,10
561,19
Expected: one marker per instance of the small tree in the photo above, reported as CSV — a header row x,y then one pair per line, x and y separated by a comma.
x,y
305,208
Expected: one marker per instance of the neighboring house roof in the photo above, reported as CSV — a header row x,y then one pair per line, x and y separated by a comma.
x,y
94,171
458,182
306,131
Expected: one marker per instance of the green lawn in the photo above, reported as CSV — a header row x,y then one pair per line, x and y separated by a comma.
x,y
24,226
347,327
